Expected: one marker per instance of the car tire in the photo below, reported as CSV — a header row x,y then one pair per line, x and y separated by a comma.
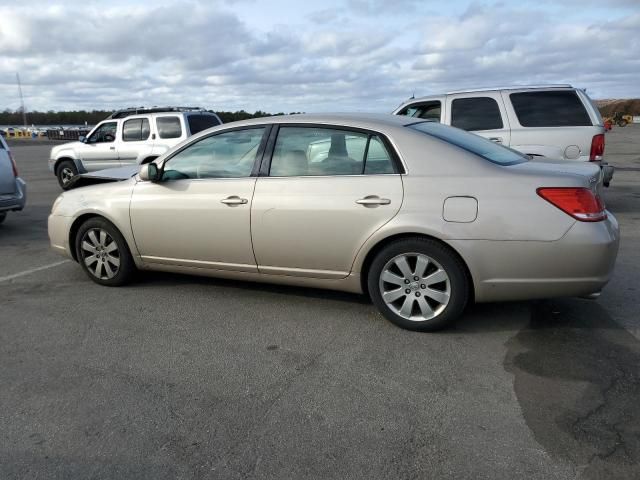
x,y
3,216
103,253
65,171
418,284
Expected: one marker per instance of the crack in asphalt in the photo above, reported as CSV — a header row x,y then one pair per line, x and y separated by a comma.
x,y
577,379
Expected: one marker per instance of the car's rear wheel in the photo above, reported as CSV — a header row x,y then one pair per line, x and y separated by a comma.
x,y
418,284
65,172
103,253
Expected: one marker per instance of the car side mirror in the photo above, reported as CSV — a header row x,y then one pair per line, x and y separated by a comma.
x,y
149,172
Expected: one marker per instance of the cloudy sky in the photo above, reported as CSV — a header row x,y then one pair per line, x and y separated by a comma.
x,y
292,55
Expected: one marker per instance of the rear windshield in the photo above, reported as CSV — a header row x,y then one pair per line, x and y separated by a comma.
x,y
198,123
472,143
550,109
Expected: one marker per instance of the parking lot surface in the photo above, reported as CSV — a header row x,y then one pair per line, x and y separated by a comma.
x,y
185,377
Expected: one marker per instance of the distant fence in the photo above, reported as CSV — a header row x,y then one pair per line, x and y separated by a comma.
x,y
66,134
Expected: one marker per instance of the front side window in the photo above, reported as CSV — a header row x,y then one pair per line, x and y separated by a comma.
x,y
227,155
105,133
473,114
302,151
550,109
429,111
135,130
169,127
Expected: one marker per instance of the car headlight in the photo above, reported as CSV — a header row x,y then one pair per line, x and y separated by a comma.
x,y
57,203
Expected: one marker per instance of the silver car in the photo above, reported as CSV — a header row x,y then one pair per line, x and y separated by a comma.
x,y
423,217
13,190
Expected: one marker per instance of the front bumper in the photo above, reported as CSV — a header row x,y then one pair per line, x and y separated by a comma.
x,y
578,264
14,201
58,227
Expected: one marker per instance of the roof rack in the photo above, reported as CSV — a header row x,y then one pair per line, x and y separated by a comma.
x,y
512,87
126,112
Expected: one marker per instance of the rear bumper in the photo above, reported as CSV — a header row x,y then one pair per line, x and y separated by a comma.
x,y
580,263
16,200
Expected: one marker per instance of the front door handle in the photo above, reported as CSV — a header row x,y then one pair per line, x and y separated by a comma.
x,y
234,200
496,139
373,201
112,148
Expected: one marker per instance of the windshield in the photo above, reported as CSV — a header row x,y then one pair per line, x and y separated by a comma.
x,y
472,143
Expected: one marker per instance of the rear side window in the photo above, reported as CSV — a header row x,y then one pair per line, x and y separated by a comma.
x,y
319,151
471,143
479,113
169,127
198,123
135,130
427,111
550,109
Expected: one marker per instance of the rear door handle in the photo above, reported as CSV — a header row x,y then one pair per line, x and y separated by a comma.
x,y
373,201
234,200
496,139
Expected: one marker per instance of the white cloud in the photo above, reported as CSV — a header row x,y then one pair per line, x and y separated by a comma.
x,y
352,55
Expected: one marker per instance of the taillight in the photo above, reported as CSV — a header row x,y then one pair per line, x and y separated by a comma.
x,y
13,164
578,202
597,148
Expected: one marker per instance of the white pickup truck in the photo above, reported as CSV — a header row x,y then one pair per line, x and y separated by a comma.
x,y
128,137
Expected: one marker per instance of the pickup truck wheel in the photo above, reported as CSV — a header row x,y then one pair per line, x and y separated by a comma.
x,y
65,172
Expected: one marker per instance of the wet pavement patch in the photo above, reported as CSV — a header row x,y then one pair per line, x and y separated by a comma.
x,y
577,380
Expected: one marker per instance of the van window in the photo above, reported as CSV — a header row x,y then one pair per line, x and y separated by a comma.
x,y
427,111
198,123
479,113
135,130
169,127
550,109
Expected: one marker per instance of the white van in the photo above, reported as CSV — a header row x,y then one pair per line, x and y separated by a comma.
x,y
558,122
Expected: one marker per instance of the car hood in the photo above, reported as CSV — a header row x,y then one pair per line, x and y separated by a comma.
x,y
103,176
64,146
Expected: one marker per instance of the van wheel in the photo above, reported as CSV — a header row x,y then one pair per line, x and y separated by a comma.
x,y
418,284
103,253
65,172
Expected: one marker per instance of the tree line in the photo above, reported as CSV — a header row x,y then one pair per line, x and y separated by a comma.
x,y
79,117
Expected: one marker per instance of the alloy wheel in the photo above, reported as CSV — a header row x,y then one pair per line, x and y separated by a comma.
x,y
66,175
100,253
415,286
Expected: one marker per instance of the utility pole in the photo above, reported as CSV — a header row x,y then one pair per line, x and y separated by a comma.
x,y
24,113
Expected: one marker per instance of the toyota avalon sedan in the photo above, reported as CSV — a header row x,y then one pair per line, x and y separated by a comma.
x,y
422,217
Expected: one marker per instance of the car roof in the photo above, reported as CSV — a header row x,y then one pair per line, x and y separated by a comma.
x,y
489,89
372,121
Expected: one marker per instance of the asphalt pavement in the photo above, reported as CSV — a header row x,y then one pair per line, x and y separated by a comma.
x,y
186,377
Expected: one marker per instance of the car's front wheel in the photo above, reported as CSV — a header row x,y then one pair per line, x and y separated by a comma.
x,y
65,172
418,284
103,253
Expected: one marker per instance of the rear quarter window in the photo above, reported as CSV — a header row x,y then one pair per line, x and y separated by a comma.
x,y
550,109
